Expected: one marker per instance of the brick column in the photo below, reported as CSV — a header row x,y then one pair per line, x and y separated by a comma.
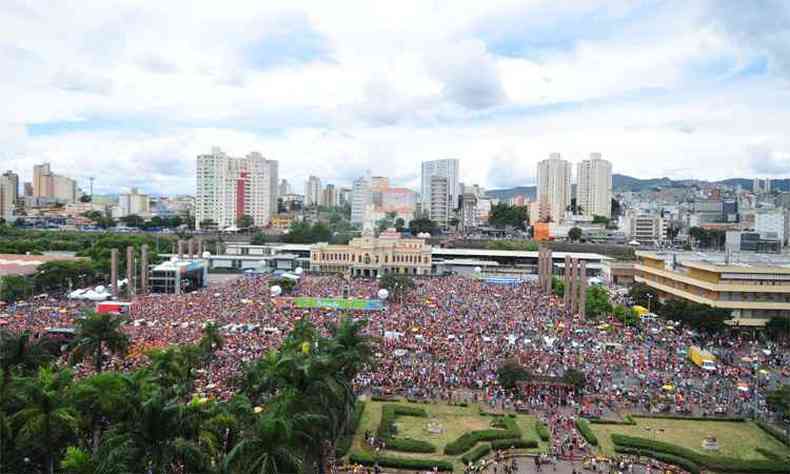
x,y
572,287
130,271
566,298
582,288
549,271
144,270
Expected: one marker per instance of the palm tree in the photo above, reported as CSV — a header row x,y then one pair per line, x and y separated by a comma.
x,y
97,332
46,421
269,447
100,399
212,340
19,351
350,349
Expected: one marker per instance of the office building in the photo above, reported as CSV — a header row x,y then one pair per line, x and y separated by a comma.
x,y
9,194
344,196
134,203
761,185
773,223
594,187
49,186
645,228
28,189
361,200
554,186
312,191
440,205
448,169
229,188
754,289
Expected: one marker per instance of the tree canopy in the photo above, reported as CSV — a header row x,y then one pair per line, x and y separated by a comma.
x,y
503,215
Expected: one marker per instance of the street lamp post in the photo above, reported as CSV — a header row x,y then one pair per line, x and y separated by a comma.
x,y
649,302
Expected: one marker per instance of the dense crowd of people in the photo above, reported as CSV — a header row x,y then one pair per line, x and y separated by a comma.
x,y
447,337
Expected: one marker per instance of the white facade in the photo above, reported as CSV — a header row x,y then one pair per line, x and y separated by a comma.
x,y
554,186
448,169
312,191
229,188
594,186
645,228
284,188
134,203
774,223
439,207
361,199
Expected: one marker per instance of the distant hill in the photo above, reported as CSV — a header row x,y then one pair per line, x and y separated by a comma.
x,y
623,183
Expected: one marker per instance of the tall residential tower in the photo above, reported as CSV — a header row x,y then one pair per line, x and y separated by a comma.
x,y
554,186
449,170
594,187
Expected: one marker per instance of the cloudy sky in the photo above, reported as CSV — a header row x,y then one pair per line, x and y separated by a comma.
x,y
131,92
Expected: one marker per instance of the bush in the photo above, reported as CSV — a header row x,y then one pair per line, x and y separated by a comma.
x,y
714,463
399,463
542,430
770,454
477,453
735,419
467,440
584,428
774,432
344,442
682,463
386,430
627,420
516,443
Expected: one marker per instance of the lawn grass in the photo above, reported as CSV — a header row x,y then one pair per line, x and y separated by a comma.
x,y
455,421
737,440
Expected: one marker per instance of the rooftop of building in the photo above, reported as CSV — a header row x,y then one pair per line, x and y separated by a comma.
x,y
730,263
13,264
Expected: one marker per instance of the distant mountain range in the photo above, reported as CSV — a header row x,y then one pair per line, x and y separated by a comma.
x,y
622,183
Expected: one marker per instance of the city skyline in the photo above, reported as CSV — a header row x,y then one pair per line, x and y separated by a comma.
x,y
131,94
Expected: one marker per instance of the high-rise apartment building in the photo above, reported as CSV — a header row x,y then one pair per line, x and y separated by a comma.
x,y
761,185
284,188
361,200
448,169
594,187
344,196
134,203
229,188
554,186
28,189
439,207
50,186
9,194
312,191
329,196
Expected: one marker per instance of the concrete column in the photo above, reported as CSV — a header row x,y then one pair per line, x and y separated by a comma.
x,y
566,298
200,248
144,270
180,249
193,248
582,288
114,271
572,287
549,271
130,271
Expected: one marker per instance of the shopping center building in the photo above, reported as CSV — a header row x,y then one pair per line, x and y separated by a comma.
x,y
755,288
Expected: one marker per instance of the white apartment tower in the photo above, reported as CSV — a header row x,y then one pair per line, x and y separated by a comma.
x,y
449,169
134,203
312,191
229,188
439,206
554,186
594,186
361,199
9,194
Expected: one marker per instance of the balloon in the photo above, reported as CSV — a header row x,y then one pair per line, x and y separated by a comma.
x,y
383,293
206,254
299,270
276,290
478,269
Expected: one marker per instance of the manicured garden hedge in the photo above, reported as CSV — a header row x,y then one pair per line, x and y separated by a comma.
x,y
714,463
386,430
467,440
770,454
584,428
774,432
682,463
515,443
627,420
542,431
732,419
344,443
477,453
400,463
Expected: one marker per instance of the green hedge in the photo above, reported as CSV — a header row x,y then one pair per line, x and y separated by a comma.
x,y
735,419
584,428
774,432
682,463
344,442
477,453
770,454
516,443
627,420
715,463
467,440
542,431
386,430
400,463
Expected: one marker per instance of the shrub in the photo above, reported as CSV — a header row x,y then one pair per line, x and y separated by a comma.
x,y
477,453
467,440
732,419
584,428
542,430
682,463
400,463
627,420
770,454
714,463
409,445
515,443
344,442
